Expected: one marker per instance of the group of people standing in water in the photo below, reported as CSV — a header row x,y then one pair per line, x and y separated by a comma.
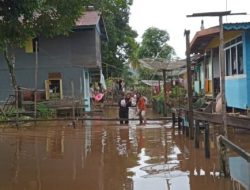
x,y
137,102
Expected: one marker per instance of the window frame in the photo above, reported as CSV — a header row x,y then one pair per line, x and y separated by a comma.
x,y
233,50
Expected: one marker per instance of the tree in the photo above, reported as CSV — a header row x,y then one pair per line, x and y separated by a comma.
x,y
24,19
127,76
154,44
121,38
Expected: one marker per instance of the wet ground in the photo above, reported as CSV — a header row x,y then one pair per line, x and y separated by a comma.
x,y
103,155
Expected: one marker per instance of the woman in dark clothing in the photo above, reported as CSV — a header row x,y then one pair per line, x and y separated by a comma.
x,y
124,104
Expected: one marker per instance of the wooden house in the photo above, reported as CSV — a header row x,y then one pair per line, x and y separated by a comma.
x,y
65,63
237,63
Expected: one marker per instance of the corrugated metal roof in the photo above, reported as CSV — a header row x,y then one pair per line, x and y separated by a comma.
x,y
173,68
89,18
153,82
203,37
162,64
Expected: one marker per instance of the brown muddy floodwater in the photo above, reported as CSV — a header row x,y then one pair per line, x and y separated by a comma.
x,y
101,155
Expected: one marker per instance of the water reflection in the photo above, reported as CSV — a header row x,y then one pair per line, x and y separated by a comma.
x,y
105,157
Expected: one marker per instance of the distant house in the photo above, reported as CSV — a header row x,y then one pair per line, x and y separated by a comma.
x,y
237,63
65,63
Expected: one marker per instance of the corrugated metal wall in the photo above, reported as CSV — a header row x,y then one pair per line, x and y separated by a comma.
x,y
65,55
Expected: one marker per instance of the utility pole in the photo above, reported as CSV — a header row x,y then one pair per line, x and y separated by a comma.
x,y
189,83
221,60
222,78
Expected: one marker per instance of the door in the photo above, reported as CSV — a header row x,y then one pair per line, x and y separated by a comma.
x,y
86,90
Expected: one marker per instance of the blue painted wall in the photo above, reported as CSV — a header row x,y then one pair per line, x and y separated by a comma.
x,y
236,92
246,59
237,87
66,55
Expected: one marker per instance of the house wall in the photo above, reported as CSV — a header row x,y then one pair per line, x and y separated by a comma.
x,y
236,92
216,67
65,55
98,50
202,77
246,61
26,79
197,87
85,49
216,72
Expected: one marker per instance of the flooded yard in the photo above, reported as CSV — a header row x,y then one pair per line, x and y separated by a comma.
x,y
101,155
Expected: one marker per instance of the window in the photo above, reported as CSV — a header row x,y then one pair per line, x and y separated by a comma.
x,y
234,57
227,59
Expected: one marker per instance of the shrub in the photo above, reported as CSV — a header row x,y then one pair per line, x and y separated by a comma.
x,y
44,111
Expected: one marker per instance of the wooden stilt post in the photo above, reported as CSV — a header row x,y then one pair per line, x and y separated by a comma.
x,y
165,91
17,109
197,134
207,141
179,119
223,158
73,104
173,119
187,131
36,78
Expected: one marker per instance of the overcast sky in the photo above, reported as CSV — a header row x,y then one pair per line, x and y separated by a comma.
x,y
171,15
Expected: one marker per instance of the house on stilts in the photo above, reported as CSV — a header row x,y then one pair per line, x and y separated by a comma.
x,y
66,64
206,72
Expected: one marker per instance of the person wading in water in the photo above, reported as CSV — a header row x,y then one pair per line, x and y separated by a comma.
x,y
124,104
141,106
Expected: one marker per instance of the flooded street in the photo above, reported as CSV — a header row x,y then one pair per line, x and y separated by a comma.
x,y
102,155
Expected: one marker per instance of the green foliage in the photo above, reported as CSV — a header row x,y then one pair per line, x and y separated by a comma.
x,y
44,111
147,74
178,91
3,118
154,44
121,38
159,96
145,90
24,19
127,76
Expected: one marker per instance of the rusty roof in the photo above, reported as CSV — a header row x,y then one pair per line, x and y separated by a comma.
x,y
202,38
89,18
92,19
